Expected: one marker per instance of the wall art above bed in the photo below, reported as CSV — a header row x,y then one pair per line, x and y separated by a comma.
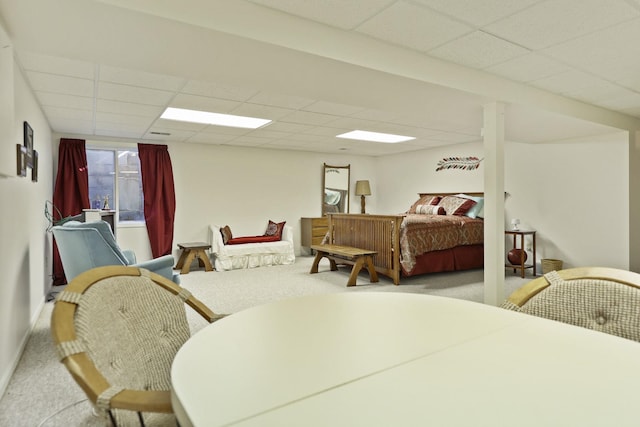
x,y
462,163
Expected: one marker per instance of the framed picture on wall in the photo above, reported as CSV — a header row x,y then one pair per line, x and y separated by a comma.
x,y
21,160
34,169
28,144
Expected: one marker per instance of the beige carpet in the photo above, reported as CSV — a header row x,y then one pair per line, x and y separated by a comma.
x,y
42,394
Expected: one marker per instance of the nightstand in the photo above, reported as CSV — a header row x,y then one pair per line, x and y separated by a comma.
x,y
313,230
523,266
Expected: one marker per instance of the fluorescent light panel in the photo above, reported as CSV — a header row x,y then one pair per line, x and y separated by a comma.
x,y
364,135
205,117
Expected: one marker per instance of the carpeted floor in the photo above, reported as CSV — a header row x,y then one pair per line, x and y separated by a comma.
x,y
41,393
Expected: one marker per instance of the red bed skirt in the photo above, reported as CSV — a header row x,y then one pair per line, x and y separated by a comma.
x,y
455,259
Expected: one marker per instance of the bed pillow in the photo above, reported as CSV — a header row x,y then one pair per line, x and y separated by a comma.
x,y
424,200
253,239
275,229
430,210
226,234
477,211
456,205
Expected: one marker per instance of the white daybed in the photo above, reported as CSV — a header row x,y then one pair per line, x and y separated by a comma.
x,y
250,255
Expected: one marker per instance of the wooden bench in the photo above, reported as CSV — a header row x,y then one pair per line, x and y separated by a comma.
x,y
359,258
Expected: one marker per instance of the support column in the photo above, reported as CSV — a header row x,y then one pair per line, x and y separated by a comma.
x,y
494,203
634,201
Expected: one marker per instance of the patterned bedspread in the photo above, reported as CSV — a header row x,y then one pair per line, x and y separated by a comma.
x,y
425,233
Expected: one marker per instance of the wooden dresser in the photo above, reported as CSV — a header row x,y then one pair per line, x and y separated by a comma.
x,y
313,230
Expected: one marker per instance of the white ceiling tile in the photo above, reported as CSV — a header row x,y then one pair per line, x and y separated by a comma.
x,y
211,138
621,100
478,50
288,127
608,53
178,125
478,12
140,78
140,95
261,111
569,82
174,134
326,131
422,29
375,115
62,100
71,125
249,141
203,103
60,84
215,90
268,133
128,130
68,113
552,22
57,65
279,100
128,119
526,68
344,14
308,118
332,108
106,106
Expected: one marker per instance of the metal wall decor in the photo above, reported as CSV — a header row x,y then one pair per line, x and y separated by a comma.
x,y
462,163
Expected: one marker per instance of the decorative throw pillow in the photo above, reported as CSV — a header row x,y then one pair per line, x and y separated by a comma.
x,y
477,211
226,234
424,200
430,210
275,229
456,205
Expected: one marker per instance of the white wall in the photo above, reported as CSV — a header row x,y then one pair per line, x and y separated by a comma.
x,y
24,252
574,194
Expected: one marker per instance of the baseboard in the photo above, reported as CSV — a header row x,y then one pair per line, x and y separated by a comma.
x,y
6,376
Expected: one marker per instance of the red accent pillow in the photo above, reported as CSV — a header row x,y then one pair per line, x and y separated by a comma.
x,y
456,205
226,234
275,229
252,239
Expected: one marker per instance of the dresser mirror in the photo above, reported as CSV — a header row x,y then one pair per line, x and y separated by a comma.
x,y
335,189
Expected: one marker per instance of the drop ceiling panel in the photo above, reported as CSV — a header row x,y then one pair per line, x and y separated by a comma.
x,y
133,94
345,14
140,78
261,111
422,29
60,84
549,23
204,103
332,108
68,113
279,100
478,50
529,67
217,90
57,65
149,111
61,100
308,118
478,13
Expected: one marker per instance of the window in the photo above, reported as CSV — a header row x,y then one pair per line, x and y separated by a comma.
x,y
123,194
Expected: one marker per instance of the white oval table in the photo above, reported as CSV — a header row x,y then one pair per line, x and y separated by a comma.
x,y
395,359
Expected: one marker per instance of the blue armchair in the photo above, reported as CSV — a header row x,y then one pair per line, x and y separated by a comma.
x,y
86,245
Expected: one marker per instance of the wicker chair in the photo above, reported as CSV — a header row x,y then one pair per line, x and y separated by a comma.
x,y
598,298
117,330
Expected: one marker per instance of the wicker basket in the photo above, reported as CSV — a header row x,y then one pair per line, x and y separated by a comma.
x,y
550,264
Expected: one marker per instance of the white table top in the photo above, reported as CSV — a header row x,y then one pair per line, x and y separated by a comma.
x,y
380,359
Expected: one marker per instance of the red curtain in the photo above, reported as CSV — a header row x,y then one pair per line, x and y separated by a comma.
x,y
159,196
71,193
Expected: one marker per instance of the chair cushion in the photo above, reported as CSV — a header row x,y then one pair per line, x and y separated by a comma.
x,y
601,305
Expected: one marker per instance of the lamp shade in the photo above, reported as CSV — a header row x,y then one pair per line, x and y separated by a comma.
x,y
363,188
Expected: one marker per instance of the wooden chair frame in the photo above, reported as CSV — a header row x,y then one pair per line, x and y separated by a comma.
x,y
520,296
80,365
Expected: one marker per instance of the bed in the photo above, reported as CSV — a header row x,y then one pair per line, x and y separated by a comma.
x,y
439,232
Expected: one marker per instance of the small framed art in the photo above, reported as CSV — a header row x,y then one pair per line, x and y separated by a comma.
x,y
21,160
34,169
28,144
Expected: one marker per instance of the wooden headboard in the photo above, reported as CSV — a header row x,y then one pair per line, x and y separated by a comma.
x,y
474,194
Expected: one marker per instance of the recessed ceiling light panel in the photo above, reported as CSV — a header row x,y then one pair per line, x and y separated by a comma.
x,y
205,117
364,135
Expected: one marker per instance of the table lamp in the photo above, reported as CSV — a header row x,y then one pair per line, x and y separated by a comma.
x,y
362,189
516,223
